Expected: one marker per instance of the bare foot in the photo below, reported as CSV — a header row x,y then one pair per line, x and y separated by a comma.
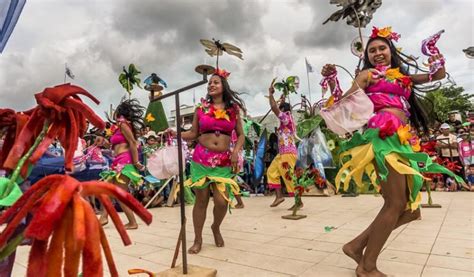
x,y
277,202
239,206
217,236
196,248
361,272
299,207
103,221
352,252
131,226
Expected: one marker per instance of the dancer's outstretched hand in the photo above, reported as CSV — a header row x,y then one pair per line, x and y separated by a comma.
x,y
328,69
172,132
271,89
435,58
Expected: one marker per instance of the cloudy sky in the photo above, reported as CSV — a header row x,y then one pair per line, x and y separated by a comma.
x,y
97,37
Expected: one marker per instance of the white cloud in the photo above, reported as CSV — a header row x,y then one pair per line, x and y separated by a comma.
x,y
97,38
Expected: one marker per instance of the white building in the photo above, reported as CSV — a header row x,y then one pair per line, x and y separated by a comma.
x,y
187,113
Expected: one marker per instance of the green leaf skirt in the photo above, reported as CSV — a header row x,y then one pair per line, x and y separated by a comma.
x,y
364,153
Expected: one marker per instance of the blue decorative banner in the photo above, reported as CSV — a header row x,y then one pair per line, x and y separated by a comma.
x,y
10,11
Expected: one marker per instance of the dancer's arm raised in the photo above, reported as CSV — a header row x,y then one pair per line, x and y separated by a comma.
x,y
273,103
362,79
424,78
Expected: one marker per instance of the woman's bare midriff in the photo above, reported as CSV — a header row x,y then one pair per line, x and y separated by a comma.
x,y
397,112
121,148
216,143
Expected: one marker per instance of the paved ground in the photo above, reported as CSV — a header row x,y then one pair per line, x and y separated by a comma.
x,y
260,243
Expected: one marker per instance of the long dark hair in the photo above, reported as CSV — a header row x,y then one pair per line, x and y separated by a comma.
x,y
284,107
419,111
229,96
132,111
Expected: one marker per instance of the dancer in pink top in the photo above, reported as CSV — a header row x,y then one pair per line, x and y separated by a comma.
x,y
214,164
386,151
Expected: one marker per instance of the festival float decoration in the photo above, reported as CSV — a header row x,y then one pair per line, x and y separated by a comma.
x,y
61,114
217,48
54,213
429,48
288,85
303,179
155,116
129,78
469,52
64,226
358,14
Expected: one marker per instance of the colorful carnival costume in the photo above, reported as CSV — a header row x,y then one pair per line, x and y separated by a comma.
x,y
285,161
208,166
388,140
123,162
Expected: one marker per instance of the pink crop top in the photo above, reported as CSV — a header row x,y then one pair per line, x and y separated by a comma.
x,y
212,120
391,93
392,90
118,137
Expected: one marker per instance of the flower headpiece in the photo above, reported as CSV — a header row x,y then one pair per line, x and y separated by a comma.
x,y
222,73
385,32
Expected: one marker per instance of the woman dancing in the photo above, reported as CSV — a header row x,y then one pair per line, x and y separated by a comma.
x,y
213,163
387,145
126,164
285,161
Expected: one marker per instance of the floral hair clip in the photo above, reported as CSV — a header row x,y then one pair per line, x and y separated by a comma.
x,y
385,32
222,73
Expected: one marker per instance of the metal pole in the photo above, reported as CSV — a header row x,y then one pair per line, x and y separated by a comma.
x,y
181,186
360,35
180,162
204,81
307,75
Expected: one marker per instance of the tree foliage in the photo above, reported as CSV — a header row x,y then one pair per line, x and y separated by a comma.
x,y
448,99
